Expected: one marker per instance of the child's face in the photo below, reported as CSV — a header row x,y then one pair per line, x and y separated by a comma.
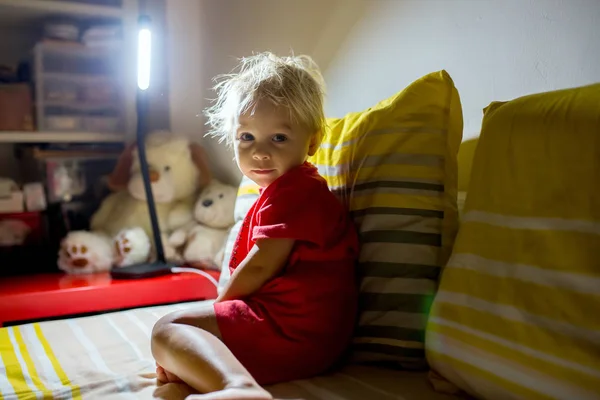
x,y
267,144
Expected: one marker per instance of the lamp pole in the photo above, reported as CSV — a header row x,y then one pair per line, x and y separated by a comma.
x,y
143,81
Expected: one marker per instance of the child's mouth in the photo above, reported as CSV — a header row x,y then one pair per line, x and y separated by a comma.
x,y
262,171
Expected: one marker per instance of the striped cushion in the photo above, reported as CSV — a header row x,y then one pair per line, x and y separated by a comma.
x,y
465,162
394,165
517,314
246,196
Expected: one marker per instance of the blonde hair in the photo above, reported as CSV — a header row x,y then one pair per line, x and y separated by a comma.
x,y
293,82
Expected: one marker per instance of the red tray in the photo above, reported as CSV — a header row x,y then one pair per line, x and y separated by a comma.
x,y
52,296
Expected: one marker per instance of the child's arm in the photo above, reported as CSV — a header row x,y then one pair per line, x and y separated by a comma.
x,y
263,262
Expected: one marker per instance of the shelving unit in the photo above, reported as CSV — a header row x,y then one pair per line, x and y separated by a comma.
x,y
43,64
60,137
34,9
24,17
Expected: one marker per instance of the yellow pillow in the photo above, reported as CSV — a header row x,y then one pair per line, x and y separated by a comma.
x,y
465,162
247,193
466,152
394,165
517,313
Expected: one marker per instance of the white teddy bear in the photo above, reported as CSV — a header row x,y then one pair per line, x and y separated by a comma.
x,y
121,232
202,242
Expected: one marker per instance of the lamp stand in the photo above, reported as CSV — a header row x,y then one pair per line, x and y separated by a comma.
x,y
160,266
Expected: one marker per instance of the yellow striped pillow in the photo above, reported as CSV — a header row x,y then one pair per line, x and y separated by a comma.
x,y
517,314
394,165
465,161
248,192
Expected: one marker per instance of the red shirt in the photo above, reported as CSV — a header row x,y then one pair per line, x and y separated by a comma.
x,y
299,322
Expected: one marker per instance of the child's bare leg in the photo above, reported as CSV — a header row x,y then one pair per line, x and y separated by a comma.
x,y
187,345
165,376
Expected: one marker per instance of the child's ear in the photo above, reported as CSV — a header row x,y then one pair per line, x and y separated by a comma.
x,y
315,141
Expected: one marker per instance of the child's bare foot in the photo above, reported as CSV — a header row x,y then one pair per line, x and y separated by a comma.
x,y
250,392
164,376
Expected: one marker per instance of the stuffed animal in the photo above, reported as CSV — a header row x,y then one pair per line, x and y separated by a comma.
x,y
202,241
121,231
13,232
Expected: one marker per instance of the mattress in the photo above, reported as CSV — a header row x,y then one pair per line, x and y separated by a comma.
x,y
108,356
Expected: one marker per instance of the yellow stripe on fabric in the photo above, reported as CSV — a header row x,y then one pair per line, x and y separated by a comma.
x,y
338,135
247,189
528,335
348,135
541,300
374,145
561,202
14,373
534,223
572,252
64,380
468,369
405,171
392,200
554,371
33,374
387,172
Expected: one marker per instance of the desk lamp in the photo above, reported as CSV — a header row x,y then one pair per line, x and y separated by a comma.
x,y
160,266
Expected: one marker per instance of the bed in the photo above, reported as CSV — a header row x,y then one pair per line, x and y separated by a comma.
x,y
394,165
108,356
481,345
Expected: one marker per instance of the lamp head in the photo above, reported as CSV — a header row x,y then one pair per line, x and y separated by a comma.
x,y
144,52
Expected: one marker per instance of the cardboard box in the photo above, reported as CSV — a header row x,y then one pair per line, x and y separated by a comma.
x,y
14,203
16,107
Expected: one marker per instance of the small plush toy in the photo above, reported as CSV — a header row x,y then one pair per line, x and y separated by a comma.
x,y
121,232
13,232
202,241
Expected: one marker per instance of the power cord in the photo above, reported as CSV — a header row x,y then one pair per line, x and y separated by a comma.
x,y
212,280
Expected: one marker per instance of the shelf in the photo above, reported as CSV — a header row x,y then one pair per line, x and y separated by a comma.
x,y
60,137
26,10
76,49
79,78
83,106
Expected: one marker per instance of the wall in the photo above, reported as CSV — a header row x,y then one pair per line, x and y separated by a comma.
x,y
207,36
370,49
493,49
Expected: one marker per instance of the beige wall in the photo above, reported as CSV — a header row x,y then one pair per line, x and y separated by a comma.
x,y
493,49
206,37
370,49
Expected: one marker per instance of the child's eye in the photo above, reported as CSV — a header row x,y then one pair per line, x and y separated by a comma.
x,y
246,137
279,138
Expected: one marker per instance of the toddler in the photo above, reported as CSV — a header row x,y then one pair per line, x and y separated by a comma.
x,y
289,308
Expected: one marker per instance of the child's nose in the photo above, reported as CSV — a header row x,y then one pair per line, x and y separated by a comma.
x,y
261,154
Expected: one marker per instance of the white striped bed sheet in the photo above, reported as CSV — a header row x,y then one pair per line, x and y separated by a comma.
x,y
108,357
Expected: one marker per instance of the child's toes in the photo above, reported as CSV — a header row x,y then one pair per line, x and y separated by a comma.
x,y
172,377
161,376
164,376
